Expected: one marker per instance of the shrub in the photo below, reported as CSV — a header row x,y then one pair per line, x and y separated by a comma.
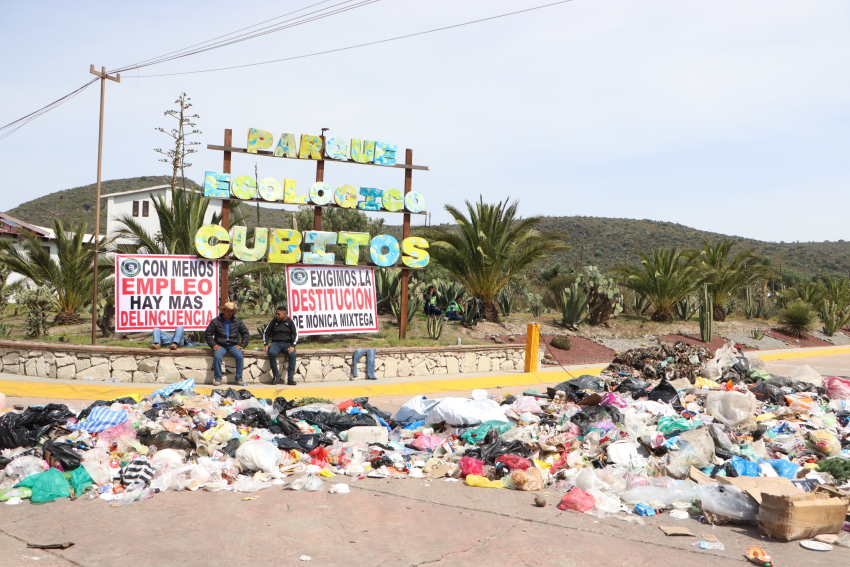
x,y
798,318
37,303
562,342
573,306
603,295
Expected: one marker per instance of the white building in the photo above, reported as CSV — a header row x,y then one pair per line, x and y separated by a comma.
x,y
138,204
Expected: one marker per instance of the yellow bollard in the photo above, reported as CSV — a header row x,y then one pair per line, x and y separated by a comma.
x,y
532,342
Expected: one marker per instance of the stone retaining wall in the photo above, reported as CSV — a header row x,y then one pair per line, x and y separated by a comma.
x,y
139,365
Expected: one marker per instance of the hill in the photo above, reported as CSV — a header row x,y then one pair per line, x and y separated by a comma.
x,y
603,242
72,206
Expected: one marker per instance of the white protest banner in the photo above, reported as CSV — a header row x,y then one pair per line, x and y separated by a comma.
x,y
326,300
158,291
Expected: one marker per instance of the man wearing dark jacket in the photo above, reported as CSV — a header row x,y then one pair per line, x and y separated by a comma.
x,y
223,335
281,335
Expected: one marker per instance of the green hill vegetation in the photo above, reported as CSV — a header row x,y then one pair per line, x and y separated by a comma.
x,y
603,242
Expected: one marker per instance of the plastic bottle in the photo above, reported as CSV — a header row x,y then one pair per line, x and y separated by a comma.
x,y
458,341
709,545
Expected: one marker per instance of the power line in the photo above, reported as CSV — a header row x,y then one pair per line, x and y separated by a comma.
x,y
360,45
14,126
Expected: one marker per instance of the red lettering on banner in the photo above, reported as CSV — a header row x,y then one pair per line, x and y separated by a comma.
x,y
358,298
126,286
145,286
339,299
303,293
189,286
173,290
347,302
312,295
367,299
133,320
162,319
161,284
295,302
205,287
124,321
171,319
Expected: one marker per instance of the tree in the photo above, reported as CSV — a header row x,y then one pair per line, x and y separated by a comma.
x,y
726,277
70,279
490,247
176,157
665,278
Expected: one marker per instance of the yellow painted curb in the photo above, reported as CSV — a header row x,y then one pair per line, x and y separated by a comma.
x,y
26,389
828,351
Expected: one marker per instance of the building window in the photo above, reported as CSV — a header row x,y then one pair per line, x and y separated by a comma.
x,y
46,249
135,208
145,209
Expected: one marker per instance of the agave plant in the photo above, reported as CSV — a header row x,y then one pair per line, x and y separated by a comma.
x,y
387,286
687,308
447,291
757,334
640,303
574,306
535,303
275,288
798,318
506,301
435,326
413,304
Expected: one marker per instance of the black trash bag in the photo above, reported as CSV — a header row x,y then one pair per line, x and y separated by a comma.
x,y
317,418
282,405
364,403
345,422
495,450
741,366
287,426
665,392
771,391
508,401
590,415
287,444
233,394
632,385
24,429
230,447
309,441
165,440
474,453
381,462
65,454
581,387
99,403
251,417
152,414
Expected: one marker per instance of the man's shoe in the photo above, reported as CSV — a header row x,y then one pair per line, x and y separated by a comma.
x,y
155,346
276,381
217,383
290,383
240,383
172,346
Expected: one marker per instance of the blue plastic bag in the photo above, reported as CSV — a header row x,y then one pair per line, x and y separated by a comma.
x,y
744,467
784,468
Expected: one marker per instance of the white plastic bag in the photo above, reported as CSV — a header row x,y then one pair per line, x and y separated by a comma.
x,y
681,491
462,411
604,503
415,410
258,456
730,408
248,484
807,374
170,458
587,480
25,466
98,472
727,500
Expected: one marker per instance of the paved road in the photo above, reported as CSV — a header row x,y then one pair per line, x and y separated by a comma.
x,y
381,522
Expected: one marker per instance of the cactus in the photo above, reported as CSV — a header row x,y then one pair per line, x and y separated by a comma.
x,y
562,342
436,324
603,295
506,301
263,305
706,316
833,318
573,306
535,303
750,309
757,335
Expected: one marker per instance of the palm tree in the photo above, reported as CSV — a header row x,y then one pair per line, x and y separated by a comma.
x,y
178,224
726,277
665,278
489,248
71,279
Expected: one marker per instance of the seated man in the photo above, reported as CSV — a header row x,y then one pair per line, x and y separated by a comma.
x,y
454,310
430,300
281,335
178,339
223,335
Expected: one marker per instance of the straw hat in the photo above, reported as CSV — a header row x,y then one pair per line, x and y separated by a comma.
x,y
230,305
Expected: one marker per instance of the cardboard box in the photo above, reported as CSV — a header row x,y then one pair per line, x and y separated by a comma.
x,y
797,516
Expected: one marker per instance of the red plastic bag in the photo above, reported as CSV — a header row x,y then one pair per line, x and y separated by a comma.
x,y
578,500
468,465
514,462
837,388
320,456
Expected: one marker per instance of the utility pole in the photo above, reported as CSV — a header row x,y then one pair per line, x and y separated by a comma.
x,y
117,78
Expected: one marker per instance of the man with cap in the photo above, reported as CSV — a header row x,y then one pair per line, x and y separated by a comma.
x,y
281,336
223,336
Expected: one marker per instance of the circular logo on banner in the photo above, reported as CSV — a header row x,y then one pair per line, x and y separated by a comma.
x,y
130,267
298,276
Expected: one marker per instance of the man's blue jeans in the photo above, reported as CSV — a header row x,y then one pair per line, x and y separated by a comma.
x,y
432,310
160,337
453,316
370,362
219,354
276,349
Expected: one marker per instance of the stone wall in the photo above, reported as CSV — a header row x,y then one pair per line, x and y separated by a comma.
x,y
139,365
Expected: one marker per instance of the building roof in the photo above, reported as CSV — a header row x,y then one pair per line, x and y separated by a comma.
x,y
38,230
143,190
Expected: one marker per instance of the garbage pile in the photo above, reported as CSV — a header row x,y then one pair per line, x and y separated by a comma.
x,y
662,428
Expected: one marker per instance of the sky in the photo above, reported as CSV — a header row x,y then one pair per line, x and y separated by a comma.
x,y
727,116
